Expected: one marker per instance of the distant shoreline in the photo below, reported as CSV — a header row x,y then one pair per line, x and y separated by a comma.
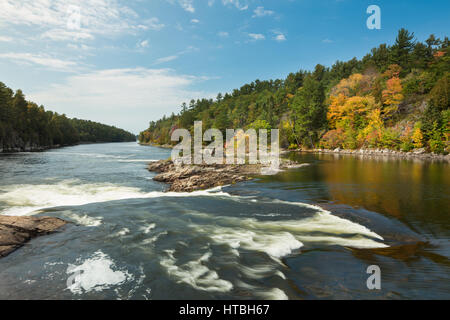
x,y
46,148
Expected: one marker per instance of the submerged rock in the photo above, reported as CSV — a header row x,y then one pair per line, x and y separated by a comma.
x,y
16,231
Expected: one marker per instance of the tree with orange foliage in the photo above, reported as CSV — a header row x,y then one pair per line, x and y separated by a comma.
x,y
392,97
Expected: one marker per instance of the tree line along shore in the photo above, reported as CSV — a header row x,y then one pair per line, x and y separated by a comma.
x,y
396,98
26,126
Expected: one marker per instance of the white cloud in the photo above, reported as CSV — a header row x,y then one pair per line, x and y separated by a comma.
x,y
40,60
235,3
261,12
127,98
280,37
144,44
256,36
195,21
211,3
327,41
57,20
187,5
223,34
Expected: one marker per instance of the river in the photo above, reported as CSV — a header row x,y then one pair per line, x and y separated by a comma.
x,y
306,233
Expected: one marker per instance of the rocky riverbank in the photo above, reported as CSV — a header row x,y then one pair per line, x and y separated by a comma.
x,y
16,231
416,154
189,178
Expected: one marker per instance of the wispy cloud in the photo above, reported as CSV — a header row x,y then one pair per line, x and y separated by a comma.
x,y
327,41
175,56
223,34
195,21
40,60
166,59
261,12
54,19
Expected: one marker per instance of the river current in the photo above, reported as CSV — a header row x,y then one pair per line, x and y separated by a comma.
x,y
305,233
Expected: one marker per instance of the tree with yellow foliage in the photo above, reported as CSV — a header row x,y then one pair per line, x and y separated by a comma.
x,y
417,136
372,133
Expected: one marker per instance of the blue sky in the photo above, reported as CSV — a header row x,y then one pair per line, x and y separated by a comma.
x,y
129,62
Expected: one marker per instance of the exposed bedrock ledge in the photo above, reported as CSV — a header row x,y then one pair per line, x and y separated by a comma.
x,y
189,178
16,231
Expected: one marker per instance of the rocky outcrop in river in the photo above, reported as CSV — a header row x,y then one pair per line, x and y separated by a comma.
x,y
16,231
188,178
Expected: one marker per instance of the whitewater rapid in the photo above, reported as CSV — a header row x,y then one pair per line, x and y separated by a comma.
x,y
275,235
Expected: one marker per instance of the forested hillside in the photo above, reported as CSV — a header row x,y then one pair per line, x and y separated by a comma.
x,y
25,126
395,97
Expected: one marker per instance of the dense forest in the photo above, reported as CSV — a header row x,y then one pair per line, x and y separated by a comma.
x,y
25,126
395,97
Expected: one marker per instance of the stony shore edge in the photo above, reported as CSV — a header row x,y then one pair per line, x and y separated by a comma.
x,y
16,231
416,154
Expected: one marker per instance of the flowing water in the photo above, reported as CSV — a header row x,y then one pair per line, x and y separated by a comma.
x,y
306,233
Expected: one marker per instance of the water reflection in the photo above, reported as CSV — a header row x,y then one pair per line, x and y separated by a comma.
x,y
414,191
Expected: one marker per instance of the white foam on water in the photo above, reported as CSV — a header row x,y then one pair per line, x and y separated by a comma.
x,y
270,171
92,155
122,232
138,160
146,229
29,199
281,238
260,271
84,220
325,221
263,293
274,294
95,274
195,273
154,239
274,244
